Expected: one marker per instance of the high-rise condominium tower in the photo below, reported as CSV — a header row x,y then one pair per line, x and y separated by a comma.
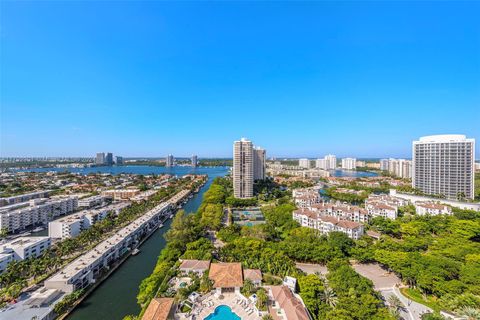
x,y
194,161
109,159
321,164
304,163
444,165
331,161
100,159
349,163
243,169
259,157
170,161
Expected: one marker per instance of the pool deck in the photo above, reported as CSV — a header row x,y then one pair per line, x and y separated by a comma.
x,y
209,302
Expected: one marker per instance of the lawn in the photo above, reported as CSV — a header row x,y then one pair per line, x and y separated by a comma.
x,y
415,295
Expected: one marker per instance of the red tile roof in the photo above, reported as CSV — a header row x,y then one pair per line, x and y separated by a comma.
x,y
158,309
226,275
293,308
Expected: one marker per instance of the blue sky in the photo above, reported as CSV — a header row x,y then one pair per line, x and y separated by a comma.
x,y
150,78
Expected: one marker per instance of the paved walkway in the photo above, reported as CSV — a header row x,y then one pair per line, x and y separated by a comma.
x,y
415,309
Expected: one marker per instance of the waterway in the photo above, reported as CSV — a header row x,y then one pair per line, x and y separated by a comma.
x,y
116,296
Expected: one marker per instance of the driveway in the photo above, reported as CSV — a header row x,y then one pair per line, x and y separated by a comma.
x,y
312,268
381,278
387,284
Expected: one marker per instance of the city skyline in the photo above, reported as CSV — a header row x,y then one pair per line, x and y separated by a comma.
x,y
352,79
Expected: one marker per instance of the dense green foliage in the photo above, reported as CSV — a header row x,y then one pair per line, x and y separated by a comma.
x,y
438,255
346,197
258,254
355,294
305,245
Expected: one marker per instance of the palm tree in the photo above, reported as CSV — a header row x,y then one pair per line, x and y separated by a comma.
x,y
395,304
329,297
395,314
248,286
470,313
262,299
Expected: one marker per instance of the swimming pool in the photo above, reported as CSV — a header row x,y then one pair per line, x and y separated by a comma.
x,y
223,312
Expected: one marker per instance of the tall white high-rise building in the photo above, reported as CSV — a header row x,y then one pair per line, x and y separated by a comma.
x,y
401,168
331,161
304,163
384,164
170,161
321,164
444,165
194,161
243,168
259,164
349,163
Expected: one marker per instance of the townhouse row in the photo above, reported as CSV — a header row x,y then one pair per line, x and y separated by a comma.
x,y
72,225
88,267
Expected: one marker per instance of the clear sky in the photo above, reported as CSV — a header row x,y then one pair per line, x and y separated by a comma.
x,y
147,78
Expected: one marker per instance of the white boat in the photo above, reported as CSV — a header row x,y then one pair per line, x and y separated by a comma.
x,y
135,252
171,216
160,226
38,229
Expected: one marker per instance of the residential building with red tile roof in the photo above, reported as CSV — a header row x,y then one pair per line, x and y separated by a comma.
x,y
432,208
254,275
326,224
226,277
160,309
195,266
285,305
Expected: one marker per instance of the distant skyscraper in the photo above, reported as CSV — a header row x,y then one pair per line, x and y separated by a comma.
x,y
384,164
243,169
118,160
349,163
259,157
100,159
321,164
331,162
170,161
194,161
444,165
304,163
109,159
